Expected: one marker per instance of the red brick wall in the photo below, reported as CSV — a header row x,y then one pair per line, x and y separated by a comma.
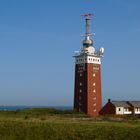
x,y
87,96
94,69
79,68
109,108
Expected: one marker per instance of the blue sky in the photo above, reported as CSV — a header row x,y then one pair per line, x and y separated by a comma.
x,y
38,39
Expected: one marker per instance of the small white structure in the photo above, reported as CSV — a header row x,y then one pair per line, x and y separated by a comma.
x,y
122,107
135,105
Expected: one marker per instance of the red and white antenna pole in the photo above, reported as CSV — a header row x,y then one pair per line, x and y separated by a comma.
x,y
88,24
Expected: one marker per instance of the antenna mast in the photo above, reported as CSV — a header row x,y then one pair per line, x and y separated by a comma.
x,y
88,23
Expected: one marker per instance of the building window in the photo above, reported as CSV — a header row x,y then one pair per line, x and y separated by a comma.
x,y
94,110
81,74
94,84
126,109
119,109
94,104
80,90
94,90
94,74
136,109
80,84
94,98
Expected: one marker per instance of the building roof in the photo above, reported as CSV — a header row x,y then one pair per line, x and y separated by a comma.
x,y
135,103
120,103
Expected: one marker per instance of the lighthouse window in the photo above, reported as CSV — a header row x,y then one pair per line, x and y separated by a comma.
x,y
80,84
94,90
94,104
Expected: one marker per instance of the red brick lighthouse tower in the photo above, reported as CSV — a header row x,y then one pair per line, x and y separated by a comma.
x,y
87,91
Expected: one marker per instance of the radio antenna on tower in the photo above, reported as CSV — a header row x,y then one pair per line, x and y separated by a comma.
x,y
88,24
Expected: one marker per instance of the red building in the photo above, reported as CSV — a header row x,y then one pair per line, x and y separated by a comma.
x,y
116,108
87,91
121,108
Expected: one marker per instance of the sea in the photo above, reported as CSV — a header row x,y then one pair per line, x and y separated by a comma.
x,y
25,107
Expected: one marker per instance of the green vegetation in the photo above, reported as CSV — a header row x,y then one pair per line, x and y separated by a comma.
x,y
52,124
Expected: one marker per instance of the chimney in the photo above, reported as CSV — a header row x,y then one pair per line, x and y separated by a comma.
x,y
109,100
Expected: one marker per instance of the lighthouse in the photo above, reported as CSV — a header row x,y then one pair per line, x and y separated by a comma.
x,y
87,87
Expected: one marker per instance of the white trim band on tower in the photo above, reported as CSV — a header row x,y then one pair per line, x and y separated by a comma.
x,y
87,59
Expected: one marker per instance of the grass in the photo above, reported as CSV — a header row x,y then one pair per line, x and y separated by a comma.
x,y
52,124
